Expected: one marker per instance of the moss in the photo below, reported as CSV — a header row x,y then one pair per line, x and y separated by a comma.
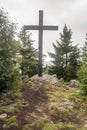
x,y
10,109
66,112
26,127
64,126
21,103
18,94
12,121
70,127
5,100
39,123
79,95
49,127
62,94
60,125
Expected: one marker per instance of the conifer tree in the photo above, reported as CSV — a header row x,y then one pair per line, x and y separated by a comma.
x,y
65,56
74,62
8,52
82,72
84,50
29,64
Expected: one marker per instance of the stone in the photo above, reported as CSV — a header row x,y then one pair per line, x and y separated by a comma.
x,y
66,104
61,80
48,78
3,115
85,124
74,83
39,110
54,81
54,75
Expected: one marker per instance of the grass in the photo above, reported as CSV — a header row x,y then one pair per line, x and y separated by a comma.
x,y
39,123
12,121
63,126
26,127
53,115
49,127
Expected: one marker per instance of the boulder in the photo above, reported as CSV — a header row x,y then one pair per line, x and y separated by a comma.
x,y
4,115
74,83
49,78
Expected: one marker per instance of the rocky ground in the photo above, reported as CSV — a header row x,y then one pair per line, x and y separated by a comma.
x,y
43,104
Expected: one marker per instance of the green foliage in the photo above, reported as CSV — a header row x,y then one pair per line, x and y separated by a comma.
x,y
39,123
8,53
82,72
12,121
10,109
82,75
26,127
49,127
84,50
63,126
29,64
66,57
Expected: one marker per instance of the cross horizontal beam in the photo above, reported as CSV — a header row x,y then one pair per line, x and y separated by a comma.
x,y
36,27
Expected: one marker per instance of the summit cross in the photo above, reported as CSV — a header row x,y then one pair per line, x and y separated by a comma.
x,y
40,28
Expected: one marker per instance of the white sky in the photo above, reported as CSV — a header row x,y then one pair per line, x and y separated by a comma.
x,y
56,12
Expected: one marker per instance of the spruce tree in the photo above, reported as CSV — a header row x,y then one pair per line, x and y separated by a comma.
x,y
29,64
8,52
64,56
84,50
74,62
82,72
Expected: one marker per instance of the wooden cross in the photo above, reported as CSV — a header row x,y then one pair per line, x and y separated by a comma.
x,y
40,27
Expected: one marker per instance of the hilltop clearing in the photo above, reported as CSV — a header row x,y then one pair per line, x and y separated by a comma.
x,y
43,105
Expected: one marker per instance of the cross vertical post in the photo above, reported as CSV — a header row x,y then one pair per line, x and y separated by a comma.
x,y
40,42
40,28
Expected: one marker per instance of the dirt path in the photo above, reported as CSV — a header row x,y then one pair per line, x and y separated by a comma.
x,y
40,105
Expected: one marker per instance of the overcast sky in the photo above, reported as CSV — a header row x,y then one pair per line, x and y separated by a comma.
x,y
56,12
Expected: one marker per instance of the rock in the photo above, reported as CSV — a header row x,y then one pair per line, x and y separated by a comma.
x,y
48,78
54,75
54,81
3,115
60,82
85,124
74,83
36,117
66,104
39,110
